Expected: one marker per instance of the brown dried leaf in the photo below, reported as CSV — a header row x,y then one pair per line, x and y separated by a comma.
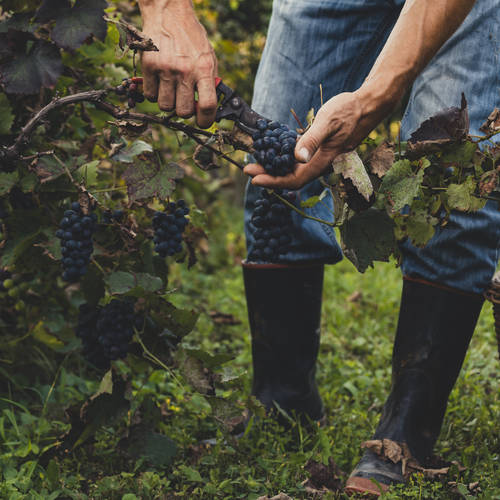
x,y
323,477
381,158
488,183
136,40
355,296
241,140
374,445
204,158
220,318
130,128
492,123
446,127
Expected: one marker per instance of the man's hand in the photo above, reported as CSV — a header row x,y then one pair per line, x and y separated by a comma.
x,y
340,125
184,64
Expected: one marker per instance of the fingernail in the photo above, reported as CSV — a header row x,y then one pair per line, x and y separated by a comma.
x,y
304,154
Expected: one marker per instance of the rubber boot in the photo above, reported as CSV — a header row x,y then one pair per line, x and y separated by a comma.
x,y
434,330
284,311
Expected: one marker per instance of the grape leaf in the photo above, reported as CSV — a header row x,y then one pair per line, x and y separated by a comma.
x,y
400,185
381,159
143,442
450,124
313,200
350,166
492,123
19,5
460,196
74,24
145,180
127,155
27,73
461,154
418,226
122,282
7,181
366,237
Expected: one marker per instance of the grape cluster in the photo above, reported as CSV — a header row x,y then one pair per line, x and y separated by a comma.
x,y
13,287
130,88
169,226
272,221
106,331
75,232
274,145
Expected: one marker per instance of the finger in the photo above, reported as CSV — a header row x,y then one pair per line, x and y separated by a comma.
x,y
207,102
309,143
184,99
150,84
253,169
166,94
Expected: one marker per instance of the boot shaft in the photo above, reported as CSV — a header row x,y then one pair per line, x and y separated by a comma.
x,y
284,311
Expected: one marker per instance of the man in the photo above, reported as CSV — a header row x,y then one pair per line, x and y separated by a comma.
x,y
366,54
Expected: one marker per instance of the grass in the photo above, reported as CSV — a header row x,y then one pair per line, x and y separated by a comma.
x,y
353,376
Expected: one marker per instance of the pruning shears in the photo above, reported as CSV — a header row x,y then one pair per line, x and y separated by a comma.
x,y
233,107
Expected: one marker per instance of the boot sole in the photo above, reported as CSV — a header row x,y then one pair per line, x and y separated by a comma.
x,y
363,485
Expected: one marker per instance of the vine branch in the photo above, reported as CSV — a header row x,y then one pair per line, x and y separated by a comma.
x,y
96,97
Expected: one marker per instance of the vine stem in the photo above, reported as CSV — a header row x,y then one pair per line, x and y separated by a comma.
x,y
301,212
149,355
487,137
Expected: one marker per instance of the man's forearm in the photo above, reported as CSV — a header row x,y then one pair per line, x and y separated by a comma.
x,y
421,30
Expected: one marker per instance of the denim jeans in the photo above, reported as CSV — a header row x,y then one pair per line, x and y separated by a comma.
x,y
335,43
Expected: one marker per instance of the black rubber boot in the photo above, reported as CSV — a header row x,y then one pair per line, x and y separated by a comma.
x,y
284,310
434,330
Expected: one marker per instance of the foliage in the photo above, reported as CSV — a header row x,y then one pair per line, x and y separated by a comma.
x,y
67,429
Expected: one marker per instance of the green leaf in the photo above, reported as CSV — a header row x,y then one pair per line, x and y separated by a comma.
x,y
180,321
460,154
27,73
127,155
28,182
420,227
211,361
7,181
40,333
310,202
87,173
191,474
74,24
350,166
460,196
106,384
400,185
366,237
15,247
121,282
145,180
6,114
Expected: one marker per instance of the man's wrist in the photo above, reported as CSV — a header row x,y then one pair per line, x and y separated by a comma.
x,y
378,95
